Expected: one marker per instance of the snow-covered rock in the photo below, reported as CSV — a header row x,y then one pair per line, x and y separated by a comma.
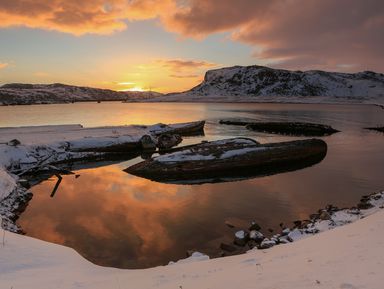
x,y
195,257
18,93
7,184
258,83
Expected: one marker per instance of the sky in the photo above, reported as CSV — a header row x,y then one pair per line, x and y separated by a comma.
x,y
167,45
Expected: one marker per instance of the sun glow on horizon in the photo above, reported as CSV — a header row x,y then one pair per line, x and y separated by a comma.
x,y
135,88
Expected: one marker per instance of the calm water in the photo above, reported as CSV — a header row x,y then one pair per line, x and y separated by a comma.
x,y
115,219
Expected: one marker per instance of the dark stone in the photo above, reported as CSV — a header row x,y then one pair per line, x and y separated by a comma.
x,y
314,216
24,183
147,143
254,227
325,216
266,244
364,205
14,142
167,141
241,238
256,236
297,223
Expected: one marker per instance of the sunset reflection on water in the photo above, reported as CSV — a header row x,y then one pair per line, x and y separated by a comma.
x,y
116,219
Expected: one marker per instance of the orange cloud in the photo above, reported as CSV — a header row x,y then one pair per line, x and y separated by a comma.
x,y
297,34
79,17
3,65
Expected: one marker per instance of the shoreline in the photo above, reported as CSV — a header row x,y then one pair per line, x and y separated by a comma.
x,y
153,101
18,196
337,258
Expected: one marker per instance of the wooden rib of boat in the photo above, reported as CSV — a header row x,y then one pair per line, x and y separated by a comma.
x,y
230,159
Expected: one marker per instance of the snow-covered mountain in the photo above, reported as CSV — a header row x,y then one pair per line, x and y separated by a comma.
x,y
18,93
258,83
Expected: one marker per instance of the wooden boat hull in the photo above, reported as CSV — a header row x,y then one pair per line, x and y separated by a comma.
x,y
259,160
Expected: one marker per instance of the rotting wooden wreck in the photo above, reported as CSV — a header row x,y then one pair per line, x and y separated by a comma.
x,y
285,128
183,129
230,159
126,143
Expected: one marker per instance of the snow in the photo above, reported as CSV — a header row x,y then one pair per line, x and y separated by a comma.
x,y
7,184
263,84
61,93
240,234
187,155
346,257
195,257
233,153
247,145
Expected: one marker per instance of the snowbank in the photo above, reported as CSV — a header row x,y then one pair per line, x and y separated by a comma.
x,y
7,184
347,257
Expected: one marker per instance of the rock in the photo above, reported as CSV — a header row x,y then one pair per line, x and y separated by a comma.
x,y
364,205
331,208
14,142
312,230
147,142
254,227
314,216
325,216
297,223
241,238
294,235
167,141
283,240
24,183
227,247
252,244
256,235
286,231
266,244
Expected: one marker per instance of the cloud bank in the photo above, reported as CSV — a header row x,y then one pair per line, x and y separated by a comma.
x,y
298,34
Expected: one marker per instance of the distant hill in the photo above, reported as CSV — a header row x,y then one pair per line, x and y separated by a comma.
x,y
20,93
258,83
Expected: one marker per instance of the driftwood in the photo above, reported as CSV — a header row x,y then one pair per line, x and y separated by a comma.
x,y
59,179
379,129
206,162
286,128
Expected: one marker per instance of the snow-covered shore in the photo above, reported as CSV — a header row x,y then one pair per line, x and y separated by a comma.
x,y
346,257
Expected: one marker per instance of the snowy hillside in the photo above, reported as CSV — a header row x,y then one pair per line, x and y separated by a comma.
x,y
60,93
258,83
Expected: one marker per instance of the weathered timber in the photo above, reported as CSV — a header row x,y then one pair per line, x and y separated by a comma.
x,y
229,160
184,129
286,128
379,129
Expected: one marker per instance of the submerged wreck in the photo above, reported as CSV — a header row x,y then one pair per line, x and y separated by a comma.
x,y
285,128
230,160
